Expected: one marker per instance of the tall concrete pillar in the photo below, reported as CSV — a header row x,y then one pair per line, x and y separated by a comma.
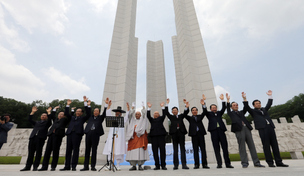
x,y
156,78
193,75
120,82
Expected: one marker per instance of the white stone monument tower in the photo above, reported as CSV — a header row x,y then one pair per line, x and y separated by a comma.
x,y
120,83
156,79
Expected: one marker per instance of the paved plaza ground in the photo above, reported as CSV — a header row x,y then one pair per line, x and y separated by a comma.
x,y
296,168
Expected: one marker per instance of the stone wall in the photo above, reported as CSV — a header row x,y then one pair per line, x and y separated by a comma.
x,y
290,138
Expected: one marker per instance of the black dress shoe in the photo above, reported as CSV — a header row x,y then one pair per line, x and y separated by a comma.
x,y
25,169
185,167
65,169
73,169
282,165
93,169
229,166
219,166
259,165
245,166
53,169
85,169
164,168
133,168
35,169
156,168
43,169
175,167
196,167
140,168
206,167
271,165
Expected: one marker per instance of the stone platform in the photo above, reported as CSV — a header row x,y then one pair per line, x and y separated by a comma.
x,y
295,169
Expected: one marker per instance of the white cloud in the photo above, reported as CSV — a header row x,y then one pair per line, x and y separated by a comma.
x,y
48,16
73,86
99,6
255,19
10,35
17,81
67,42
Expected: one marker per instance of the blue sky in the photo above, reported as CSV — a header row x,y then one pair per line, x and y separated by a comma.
x,y
59,49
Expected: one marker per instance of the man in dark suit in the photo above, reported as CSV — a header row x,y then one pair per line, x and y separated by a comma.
x,y
74,134
217,129
264,124
242,129
55,135
158,136
178,132
93,132
37,138
5,126
197,132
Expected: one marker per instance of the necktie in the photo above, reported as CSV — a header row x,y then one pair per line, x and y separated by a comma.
x,y
177,122
196,121
217,124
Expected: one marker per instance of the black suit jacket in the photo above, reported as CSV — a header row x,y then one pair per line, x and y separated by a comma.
x,y
76,123
237,118
174,121
215,118
193,124
40,127
59,125
259,118
97,123
157,126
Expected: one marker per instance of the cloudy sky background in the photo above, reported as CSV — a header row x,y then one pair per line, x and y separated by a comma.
x,y
59,49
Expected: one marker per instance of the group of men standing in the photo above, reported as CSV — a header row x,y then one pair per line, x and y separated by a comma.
x,y
135,133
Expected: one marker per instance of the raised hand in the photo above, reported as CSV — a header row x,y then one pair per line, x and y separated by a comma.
x,y
187,104
227,97
107,101
69,102
222,97
162,104
269,93
149,105
89,103
168,100
244,96
57,107
185,101
143,104
204,97
128,106
73,108
34,109
85,98
48,110
202,101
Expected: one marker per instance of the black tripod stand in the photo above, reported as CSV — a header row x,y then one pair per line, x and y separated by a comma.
x,y
116,122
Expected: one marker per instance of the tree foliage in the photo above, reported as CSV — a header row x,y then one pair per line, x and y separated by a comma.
x,y
20,111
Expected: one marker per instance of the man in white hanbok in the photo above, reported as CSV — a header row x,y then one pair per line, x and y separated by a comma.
x,y
137,137
119,149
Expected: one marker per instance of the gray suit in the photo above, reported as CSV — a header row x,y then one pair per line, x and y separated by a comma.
x,y
3,132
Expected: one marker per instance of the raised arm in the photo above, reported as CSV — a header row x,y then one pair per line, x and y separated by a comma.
x,y
270,100
149,111
166,111
143,110
246,105
228,104
30,119
107,101
204,113
49,112
67,109
223,104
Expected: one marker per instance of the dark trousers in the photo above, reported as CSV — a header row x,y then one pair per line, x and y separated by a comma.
x,y
269,138
91,142
218,138
179,138
73,144
198,141
1,144
35,146
53,145
159,143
